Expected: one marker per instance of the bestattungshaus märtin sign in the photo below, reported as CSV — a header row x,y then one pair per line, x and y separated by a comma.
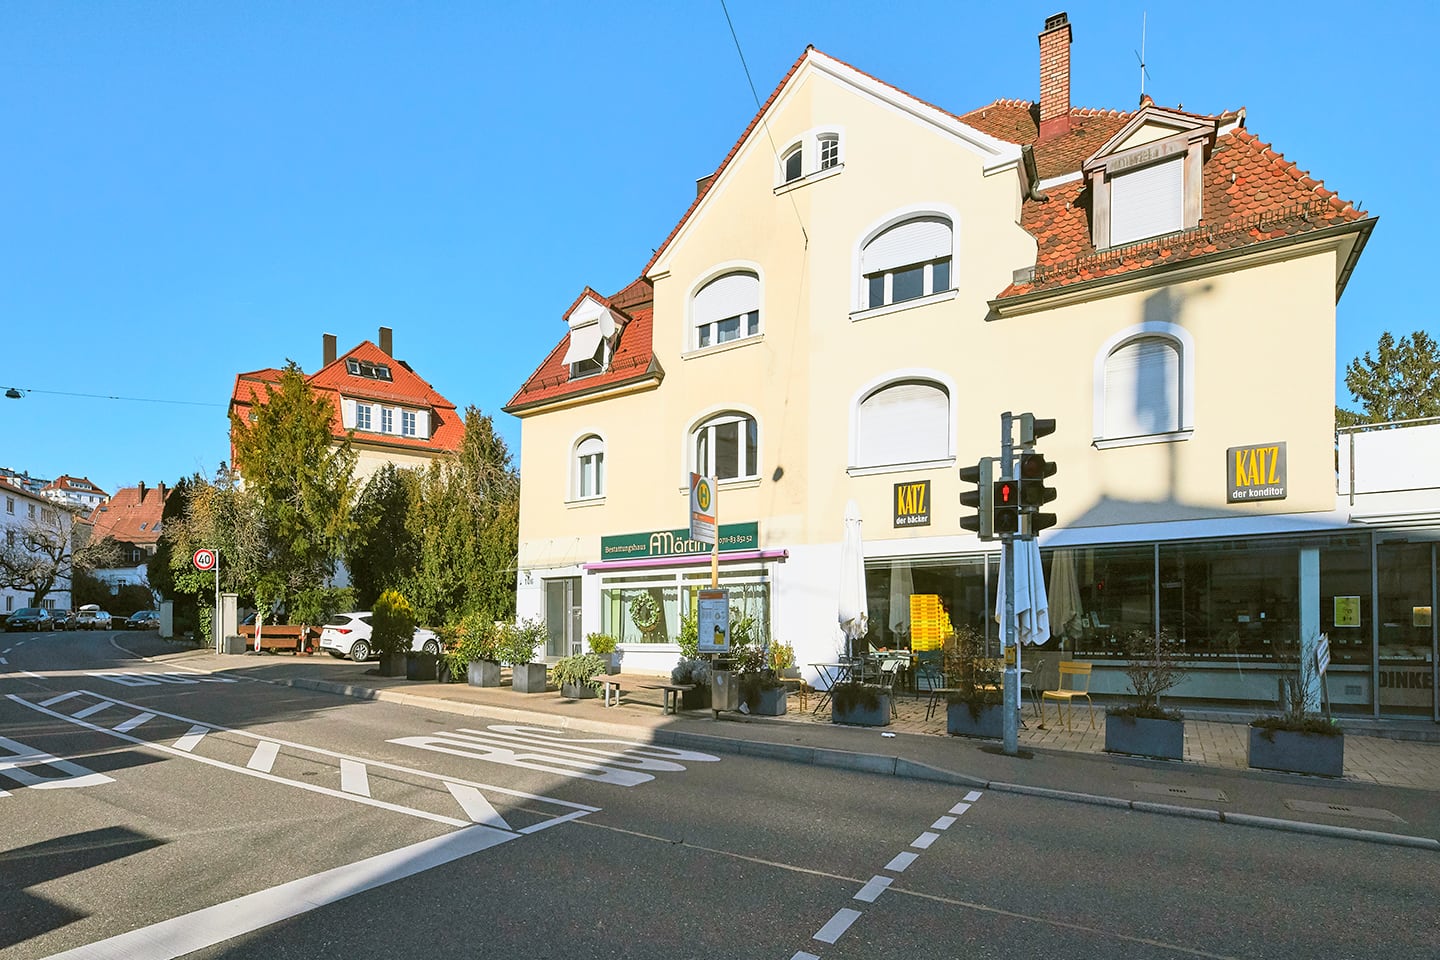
x,y
677,543
1255,472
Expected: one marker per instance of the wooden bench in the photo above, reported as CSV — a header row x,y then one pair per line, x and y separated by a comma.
x,y
673,693
274,636
610,690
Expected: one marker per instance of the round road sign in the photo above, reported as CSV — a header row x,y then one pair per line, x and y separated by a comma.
x,y
204,559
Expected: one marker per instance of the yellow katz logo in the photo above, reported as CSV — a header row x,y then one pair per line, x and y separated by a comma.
x,y
912,504
1256,472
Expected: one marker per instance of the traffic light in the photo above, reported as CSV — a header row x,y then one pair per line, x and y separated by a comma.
x,y
1032,429
979,498
1006,498
1034,471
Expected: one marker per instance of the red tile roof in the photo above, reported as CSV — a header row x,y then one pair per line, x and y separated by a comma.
x,y
75,484
633,358
132,515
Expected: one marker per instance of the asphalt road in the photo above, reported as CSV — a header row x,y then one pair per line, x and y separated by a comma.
x,y
152,815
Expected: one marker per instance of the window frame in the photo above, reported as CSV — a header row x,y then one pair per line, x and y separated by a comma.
x,y
895,378
387,419
409,423
812,147
363,416
581,369
578,457
861,308
745,320
705,428
1184,345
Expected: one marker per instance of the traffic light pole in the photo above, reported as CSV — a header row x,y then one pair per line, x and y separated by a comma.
x,y
1011,727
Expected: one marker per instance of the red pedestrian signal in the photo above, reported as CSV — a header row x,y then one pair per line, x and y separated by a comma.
x,y
1006,497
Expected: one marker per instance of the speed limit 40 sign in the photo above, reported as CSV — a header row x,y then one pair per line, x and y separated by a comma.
x,y
204,559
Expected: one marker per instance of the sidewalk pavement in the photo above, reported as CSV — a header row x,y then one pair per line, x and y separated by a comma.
x,y
1390,792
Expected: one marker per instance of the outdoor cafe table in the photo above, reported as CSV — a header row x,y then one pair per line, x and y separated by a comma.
x,y
833,673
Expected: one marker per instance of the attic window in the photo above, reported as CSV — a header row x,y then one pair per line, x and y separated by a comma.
x,y
368,370
1147,202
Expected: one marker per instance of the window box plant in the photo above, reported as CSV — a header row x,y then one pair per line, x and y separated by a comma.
x,y
579,676
1144,728
604,645
860,704
1297,740
975,705
392,627
518,643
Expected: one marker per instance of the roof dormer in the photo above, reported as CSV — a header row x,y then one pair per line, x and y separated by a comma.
x,y
593,329
1146,180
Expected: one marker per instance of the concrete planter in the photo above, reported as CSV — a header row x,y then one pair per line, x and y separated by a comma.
x,y
697,699
1297,752
578,691
1145,737
420,666
862,716
612,663
392,664
234,645
483,673
987,723
765,702
528,678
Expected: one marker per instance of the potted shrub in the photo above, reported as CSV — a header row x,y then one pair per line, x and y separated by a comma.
x,y
1297,740
782,660
762,692
1144,728
604,645
975,707
579,676
392,629
697,673
475,654
518,643
862,704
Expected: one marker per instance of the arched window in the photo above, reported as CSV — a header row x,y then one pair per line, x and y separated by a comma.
x,y
727,308
589,468
1143,389
727,447
829,150
907,421
793,163
907,261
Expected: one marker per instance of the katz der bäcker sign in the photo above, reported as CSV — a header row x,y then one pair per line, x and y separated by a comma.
x,y
1255,472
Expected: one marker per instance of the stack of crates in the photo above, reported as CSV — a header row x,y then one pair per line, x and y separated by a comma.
x,y
929,624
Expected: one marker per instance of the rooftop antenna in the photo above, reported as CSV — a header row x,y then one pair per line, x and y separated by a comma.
x,y
1140,55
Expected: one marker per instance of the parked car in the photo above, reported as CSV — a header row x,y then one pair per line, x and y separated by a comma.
x,y
143,620
92,619
348,635
30,618
64,619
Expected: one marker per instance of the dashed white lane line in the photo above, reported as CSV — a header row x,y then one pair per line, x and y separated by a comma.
x,y
192,739
901,861
264,756
3,660
133,722
872,889
959,808
802,955
59,699
972,796
944,823
353,778
837,925
923,841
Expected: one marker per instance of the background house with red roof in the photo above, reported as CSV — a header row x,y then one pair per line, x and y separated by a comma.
x,y
79,493
133,519
390,412
27,521
867,282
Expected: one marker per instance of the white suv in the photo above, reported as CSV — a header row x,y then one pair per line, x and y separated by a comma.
x,y
348,635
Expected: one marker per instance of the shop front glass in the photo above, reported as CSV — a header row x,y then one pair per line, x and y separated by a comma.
x,y
889,585
646,608
1407,632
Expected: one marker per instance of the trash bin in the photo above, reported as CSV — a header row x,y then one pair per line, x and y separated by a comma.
x,y
724,690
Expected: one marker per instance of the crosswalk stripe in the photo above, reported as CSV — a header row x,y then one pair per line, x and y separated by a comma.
x,y
192,739
94,708
353,778
134,722
264,756
476,807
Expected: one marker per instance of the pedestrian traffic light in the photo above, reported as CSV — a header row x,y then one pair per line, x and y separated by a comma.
x,y
979,498
1034,471
1006,497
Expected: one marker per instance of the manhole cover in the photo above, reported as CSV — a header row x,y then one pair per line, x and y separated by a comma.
x,y
1181,793
1342,810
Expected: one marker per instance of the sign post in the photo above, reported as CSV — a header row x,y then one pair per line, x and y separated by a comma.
x,y
1322,663
207,559
704,512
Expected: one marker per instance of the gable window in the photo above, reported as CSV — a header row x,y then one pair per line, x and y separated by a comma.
x,y
367,369
1147,202
727,447
407,423
904,422
829,151
362,416
1143,389
595,363
727,308
387,420
907,261
793,164
589,479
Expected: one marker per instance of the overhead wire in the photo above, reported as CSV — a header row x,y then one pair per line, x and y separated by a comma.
x,y
99,396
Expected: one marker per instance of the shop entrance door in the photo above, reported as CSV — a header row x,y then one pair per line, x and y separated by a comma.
x,y
562,617
1407,650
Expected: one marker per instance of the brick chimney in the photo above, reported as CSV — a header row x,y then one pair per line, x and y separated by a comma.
x,y
386,346
141,486
1055,77
329,341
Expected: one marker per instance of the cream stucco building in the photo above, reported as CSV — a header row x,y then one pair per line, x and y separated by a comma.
x,y
860,290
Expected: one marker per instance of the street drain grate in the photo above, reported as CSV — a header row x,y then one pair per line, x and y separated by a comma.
x,y
1342,810
1181,793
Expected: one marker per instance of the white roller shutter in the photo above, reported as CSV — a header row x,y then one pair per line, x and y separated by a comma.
x,y
589,446
1147,202
914,241
904,423
347,413
728,296
584,341
1142,389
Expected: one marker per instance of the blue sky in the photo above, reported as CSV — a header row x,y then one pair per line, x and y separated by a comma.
x,y
192,189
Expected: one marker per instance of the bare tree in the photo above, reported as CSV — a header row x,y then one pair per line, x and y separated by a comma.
x,y
40,554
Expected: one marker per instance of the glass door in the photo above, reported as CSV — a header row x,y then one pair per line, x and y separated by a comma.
x,y
562,617
1406,668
